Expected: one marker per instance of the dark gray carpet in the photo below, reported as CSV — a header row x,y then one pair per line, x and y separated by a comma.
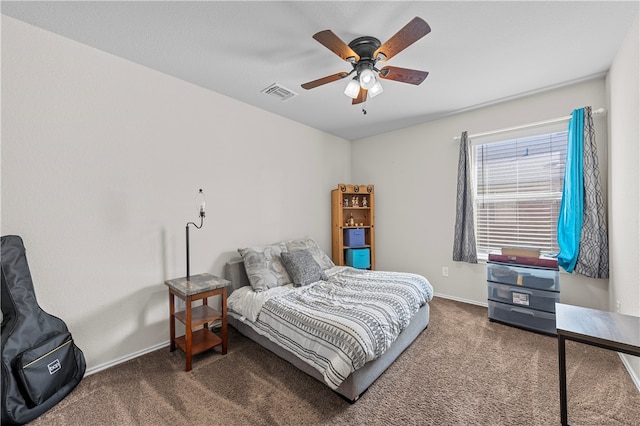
x,y
462,370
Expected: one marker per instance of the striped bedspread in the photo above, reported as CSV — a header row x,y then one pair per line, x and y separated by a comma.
x,y
340,324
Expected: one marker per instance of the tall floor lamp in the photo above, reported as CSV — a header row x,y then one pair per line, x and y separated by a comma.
x,y
201,202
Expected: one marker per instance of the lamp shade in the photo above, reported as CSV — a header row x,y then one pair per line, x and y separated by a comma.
x,y
201,202
376,89
352,89
367,79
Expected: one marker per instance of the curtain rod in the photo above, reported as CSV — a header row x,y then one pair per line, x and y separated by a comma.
x,y
527,126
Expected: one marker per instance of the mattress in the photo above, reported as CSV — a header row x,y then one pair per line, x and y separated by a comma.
x,y
353,382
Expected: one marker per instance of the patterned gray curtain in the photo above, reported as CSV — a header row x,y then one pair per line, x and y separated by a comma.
x,y
593,256
464,238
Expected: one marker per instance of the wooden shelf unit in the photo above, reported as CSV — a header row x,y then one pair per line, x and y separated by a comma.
x,y
342,211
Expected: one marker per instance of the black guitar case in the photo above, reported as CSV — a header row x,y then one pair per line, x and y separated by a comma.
x,y
40,362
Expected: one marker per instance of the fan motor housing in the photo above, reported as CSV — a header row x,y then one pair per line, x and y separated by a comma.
x,y
365,46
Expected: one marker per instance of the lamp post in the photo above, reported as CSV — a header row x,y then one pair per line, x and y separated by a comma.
x,y
201,202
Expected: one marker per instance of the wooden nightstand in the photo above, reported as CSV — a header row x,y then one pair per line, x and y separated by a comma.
x,y
198,287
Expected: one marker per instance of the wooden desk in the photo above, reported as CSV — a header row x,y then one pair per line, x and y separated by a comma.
x,y
608,330
197,287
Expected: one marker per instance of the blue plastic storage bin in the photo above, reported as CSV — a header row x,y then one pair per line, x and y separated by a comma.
x,y
354,237
359,258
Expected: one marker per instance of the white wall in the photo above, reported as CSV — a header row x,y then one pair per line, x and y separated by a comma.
x,y
101,162
415,169
624,182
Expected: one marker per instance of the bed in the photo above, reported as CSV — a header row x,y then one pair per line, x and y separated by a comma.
x,y
326,320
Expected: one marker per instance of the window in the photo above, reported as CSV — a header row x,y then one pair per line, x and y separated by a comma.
x,y
518,182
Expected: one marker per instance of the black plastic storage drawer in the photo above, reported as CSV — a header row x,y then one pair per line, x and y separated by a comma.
x,y
542,278
528,297
530,319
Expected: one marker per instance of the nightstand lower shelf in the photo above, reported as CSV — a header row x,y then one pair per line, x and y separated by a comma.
x,y
201,340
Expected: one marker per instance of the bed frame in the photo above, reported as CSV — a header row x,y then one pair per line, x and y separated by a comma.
x,y
357,382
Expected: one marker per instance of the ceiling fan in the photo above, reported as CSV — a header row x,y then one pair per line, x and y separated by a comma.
x,y
364,53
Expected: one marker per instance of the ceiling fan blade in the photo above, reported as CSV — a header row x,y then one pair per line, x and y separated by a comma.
x,y
403,75
324,80
362,96
409,34
332,42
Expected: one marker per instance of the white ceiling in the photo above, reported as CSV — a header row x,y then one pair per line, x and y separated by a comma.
x,y
478,52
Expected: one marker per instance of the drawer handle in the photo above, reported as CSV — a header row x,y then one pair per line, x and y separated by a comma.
x,y
522,311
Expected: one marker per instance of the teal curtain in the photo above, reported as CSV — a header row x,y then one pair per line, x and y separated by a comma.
x,y
571,208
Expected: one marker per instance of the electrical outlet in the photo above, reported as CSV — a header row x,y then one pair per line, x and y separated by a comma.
x,y
617,306
445,271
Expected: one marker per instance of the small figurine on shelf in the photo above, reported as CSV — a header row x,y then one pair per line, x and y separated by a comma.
x,y
354,201
352,221
346,202
364,202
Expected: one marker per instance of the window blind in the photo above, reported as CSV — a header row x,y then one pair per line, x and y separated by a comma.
x,y
518,190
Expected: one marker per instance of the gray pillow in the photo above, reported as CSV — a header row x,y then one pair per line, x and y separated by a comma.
x,y
302,267
318,254
264,266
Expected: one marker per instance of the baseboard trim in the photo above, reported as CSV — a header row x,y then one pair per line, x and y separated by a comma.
x,y
125,358
634,377
460,299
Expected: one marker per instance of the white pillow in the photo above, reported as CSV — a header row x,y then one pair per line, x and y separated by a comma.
x,y
264,266
318,254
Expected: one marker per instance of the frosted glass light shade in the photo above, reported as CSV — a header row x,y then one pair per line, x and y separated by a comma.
x,y
201,202
352,89
367,79
376,89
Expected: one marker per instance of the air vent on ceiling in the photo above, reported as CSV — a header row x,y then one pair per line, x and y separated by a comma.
x,y
280,92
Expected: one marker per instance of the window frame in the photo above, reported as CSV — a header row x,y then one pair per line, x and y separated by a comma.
x,y
536,131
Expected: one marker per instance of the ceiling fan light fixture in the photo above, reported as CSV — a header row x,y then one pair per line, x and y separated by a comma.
x,y
352,89
367,79
375,90
364,52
